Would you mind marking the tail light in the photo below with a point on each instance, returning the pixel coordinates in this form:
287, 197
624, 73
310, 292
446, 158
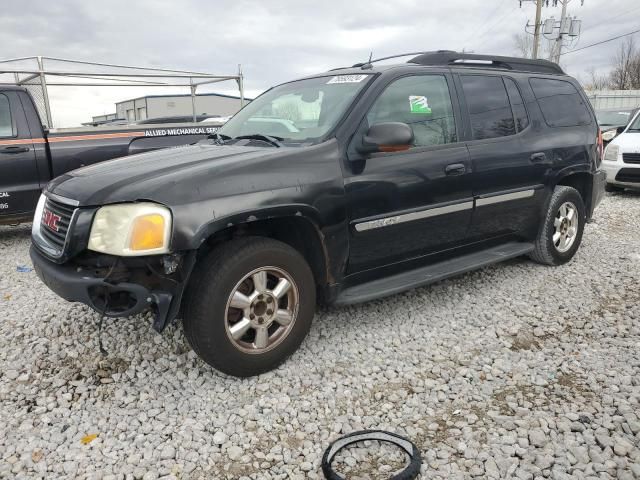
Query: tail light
600, 146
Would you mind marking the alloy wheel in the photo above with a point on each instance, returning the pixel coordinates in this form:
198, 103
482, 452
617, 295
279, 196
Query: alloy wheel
261, 310
565, 227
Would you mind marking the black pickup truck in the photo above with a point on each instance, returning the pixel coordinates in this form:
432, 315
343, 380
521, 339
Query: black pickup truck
341, 187
31, 155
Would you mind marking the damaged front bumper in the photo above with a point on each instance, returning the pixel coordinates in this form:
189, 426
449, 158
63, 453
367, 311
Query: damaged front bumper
118, 287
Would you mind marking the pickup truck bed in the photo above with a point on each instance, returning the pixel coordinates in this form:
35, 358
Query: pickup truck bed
30, 155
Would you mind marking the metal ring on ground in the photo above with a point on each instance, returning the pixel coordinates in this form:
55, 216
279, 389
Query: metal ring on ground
409, 473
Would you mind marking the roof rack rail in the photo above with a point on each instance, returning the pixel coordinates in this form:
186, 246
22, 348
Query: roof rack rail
448, 57
451, 57
365, 65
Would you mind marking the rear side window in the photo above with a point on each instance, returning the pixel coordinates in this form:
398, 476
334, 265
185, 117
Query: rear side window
489, 107
6, 125
519, 111
560, 102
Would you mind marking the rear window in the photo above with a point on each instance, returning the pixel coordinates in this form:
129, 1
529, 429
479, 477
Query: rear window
6, 125
560, 102
489, 108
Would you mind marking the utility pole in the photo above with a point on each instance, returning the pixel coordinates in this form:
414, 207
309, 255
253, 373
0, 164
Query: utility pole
560, 31
563, 16
536, 32
566, 27
537, 26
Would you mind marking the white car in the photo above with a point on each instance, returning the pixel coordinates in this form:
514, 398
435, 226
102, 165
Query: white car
622, 158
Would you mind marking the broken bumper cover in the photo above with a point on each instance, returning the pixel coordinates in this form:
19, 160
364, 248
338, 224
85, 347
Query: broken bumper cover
79, 286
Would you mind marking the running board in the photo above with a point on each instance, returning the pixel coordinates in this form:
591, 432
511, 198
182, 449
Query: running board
431, 273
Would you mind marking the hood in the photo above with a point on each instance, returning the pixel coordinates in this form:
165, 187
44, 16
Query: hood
605, 126
151, 175
629, 142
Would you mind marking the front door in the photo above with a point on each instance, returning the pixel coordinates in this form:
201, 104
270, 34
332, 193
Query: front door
19, 185
410, 203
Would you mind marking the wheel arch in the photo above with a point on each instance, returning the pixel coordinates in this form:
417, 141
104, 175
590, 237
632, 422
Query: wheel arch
298, 226
581, 180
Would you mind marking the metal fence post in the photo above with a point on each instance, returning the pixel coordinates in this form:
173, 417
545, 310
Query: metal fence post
241, 85
193, 99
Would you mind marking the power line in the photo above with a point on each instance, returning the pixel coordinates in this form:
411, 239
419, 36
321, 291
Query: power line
600, 43
487, 30
484, 22
608, 20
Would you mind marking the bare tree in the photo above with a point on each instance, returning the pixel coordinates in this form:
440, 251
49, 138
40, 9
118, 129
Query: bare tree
627, 60
523, 45
597, 80
634, 71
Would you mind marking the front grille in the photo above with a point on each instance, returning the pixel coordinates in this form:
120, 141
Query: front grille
59, 216
631, 157
630, 175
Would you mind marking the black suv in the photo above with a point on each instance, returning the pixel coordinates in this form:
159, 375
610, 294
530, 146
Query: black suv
342, 187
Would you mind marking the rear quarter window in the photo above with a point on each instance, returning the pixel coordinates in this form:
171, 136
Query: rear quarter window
6, 124
560, 102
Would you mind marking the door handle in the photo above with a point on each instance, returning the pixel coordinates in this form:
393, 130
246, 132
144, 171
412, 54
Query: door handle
455, 169
539, 157
14, 149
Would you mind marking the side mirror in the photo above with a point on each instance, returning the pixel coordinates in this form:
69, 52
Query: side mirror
387, 137
619, 130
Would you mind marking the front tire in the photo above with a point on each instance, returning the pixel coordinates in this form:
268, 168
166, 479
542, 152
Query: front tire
249, 305
561, 233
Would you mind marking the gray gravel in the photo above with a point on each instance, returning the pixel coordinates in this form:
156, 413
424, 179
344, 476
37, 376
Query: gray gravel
516, 371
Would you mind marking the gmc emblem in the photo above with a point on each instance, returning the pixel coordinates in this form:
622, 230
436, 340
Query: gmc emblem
50, 219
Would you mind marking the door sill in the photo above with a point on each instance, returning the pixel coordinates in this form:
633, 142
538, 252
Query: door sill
393, 284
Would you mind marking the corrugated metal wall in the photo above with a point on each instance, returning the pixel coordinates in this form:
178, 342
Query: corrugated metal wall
613, 98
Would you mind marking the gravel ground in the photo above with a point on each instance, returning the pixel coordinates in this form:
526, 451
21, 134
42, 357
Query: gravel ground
517, 370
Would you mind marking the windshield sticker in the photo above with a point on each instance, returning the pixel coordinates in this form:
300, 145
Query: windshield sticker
347, 79
419, 104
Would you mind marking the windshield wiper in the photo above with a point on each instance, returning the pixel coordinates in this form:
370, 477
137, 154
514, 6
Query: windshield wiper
219, 138
275, 141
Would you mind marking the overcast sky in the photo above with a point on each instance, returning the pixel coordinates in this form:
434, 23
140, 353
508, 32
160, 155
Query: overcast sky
276, 41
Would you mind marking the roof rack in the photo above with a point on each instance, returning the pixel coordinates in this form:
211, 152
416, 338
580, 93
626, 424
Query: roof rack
447, 57
451, 57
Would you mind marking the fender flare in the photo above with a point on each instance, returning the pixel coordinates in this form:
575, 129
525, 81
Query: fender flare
248, 216
570, 170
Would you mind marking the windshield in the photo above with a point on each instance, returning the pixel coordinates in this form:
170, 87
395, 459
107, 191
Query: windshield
635, 126
297, 112
612, 118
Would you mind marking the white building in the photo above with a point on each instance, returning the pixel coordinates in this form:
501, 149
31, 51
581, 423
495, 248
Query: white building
157, 106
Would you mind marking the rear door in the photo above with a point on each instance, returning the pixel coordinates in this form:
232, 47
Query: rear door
19, 185
508, 155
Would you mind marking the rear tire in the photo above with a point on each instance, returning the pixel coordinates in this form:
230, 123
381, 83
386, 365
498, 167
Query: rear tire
229, 316
561, 233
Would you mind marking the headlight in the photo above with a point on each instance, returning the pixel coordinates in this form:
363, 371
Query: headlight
131, 229
611, 153
609, 135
